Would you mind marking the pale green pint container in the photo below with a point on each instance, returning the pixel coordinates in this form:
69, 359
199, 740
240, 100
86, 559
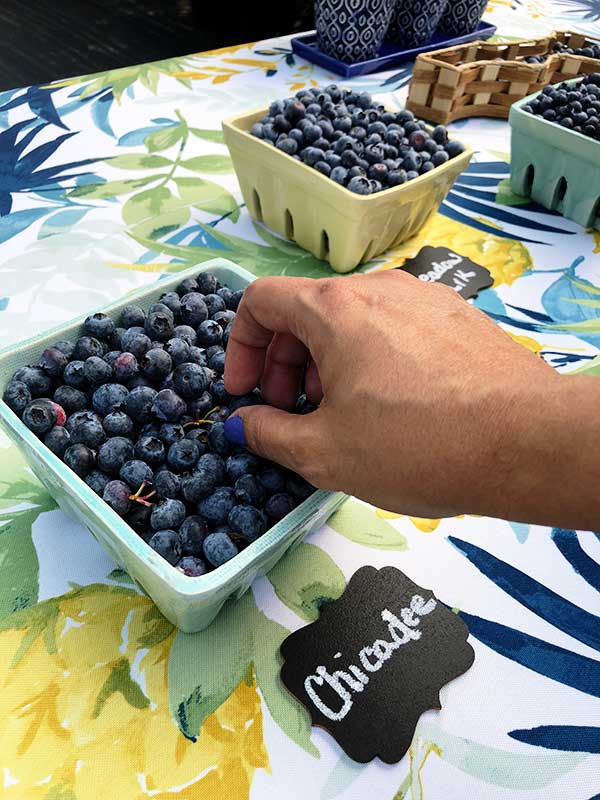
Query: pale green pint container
556, 167
334, 224
190, 603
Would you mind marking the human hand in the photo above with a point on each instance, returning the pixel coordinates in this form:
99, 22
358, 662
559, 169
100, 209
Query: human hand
426, 406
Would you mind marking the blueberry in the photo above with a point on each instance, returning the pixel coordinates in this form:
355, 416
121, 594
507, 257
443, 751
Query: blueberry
359, 185
167, 543
136, 472
167, 484
99, 325
427, 166
89, 432
378, 172
248, 521
53, 361
183, 455
66, 347
87, 346
249, 490
97, 481
159, 324
235, 300
287, 145
279, 505
200, 406
214, 464
218, 549
273, 479
219, 393
185, 332
138, 403
241, 401
299, 488
218, 441
454, 148
411, 174
339, 175
117, 423
209, 333
241, 464
150, 449
364, 100
80, 459
396, 178
110, 397
57, 439
111, 356
74, 375
17, 396
207, 282
439, 158
197, 355
114, 453
96, 370
40, 415
323, 167
36, 379
192, 566
80, 418
168, 405
125, 366
116, 495
191, 380
219, 414
115, 340
171, 301
411, 162
197, 485
167, 514
171, 432
193, 310
356, 172
224, 317
217, 362
137, 381
136, 342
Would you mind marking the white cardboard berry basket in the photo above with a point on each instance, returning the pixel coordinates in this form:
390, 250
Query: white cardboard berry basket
190, 603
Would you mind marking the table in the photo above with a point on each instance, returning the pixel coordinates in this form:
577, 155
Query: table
107, 182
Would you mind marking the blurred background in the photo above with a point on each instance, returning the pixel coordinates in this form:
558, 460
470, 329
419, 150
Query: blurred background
43, 40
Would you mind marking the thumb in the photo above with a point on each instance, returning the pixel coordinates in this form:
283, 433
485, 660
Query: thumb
293, 440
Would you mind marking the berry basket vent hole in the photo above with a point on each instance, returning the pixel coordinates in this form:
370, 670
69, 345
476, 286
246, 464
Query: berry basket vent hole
529, 177
256, 206
289, 225
595, 215
559, 194
324, 248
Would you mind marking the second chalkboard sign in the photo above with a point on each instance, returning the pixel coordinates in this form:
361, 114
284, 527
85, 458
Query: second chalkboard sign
374, 661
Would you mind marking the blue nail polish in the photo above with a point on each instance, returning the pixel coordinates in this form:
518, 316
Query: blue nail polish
234, 430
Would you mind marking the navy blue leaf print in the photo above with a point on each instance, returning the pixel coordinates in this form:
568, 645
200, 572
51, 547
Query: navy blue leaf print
548, 605
451, 213
573, 738
38, 155
496, 167
290, 60
542, 657
100, 110
568, 544
537, 315
503, 215
40, 102
476, 180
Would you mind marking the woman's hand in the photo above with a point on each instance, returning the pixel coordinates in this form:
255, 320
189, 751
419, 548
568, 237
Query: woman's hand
427, 407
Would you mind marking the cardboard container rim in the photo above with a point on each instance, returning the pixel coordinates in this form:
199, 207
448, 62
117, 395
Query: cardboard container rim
232, 124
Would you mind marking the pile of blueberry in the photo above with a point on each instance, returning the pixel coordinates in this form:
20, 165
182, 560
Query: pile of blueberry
137, 411
591, 51
360, 145
576, 107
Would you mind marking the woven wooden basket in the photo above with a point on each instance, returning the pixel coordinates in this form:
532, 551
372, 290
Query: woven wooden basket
481, 79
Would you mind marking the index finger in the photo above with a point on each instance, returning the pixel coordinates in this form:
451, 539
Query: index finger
269, 305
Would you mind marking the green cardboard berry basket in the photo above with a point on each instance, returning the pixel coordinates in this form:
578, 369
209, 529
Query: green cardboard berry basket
334, 224
557, 167
189, 603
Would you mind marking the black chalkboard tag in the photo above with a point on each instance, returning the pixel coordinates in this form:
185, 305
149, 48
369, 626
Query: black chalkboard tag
374, 661
442, 265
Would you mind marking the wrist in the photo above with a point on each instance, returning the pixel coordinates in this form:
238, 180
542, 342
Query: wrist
543, 465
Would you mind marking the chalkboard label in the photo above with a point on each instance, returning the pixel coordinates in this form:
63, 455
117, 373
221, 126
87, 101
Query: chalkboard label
442, 265
374, 661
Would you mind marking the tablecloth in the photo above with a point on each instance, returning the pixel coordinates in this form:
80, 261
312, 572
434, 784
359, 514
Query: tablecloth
108, 181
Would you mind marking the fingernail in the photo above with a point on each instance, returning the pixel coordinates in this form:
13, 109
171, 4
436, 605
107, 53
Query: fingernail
234, 430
